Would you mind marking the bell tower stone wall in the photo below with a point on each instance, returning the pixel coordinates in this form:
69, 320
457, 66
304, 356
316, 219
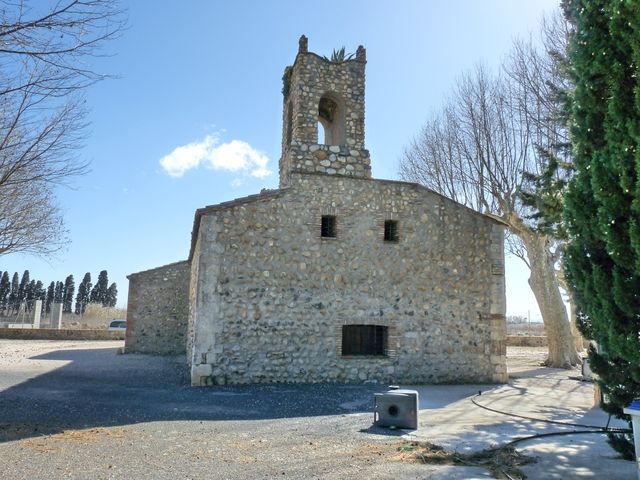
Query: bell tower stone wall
326, 95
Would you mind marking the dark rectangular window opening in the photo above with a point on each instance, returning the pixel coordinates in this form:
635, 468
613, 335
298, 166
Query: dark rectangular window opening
328, 227
365, 340
390, 230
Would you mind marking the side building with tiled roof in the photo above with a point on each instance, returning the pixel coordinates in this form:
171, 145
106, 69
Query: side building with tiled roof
335, 276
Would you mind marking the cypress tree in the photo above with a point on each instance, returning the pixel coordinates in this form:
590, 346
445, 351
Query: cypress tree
39, 292
67, 298
49, 297
29, 295
58, 293
99, 292
13, 293
82, 299
602, 203
22, 289
5, 289
112, 296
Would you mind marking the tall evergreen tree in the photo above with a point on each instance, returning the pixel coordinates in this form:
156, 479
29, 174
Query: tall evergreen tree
22, 289
5, 289
112, 296
49, 297
39, 292
13, 293
58, 294
29, 295
99, 292
84, 289
69, 290
602, 203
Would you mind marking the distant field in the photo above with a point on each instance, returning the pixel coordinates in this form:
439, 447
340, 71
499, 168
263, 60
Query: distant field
529, 329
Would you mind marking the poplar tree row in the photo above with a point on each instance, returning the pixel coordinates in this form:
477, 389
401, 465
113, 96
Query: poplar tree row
23, 292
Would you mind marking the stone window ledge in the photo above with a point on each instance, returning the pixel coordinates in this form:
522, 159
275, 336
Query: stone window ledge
366, 357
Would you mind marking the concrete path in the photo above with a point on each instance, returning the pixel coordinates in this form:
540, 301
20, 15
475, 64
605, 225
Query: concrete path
449, 418
79, 410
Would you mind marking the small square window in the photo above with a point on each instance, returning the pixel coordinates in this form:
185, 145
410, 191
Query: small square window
328, 227
390, 230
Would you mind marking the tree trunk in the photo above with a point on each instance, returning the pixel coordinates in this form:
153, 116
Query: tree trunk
573, 316
573, 311
544, 284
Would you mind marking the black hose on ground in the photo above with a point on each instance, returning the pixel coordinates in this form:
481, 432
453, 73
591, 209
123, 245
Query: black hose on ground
555, 422
550, 434
593, 428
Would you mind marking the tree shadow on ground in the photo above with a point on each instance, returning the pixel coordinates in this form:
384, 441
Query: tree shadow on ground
560, 451
99, 388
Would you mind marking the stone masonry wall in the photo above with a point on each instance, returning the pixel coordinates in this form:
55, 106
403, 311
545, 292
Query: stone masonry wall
329, 159
498, 305
271, 296
157, 310
526, 341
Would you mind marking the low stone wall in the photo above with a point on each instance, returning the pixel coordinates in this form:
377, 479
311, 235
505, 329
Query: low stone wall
157, 310
56, 334
526, 341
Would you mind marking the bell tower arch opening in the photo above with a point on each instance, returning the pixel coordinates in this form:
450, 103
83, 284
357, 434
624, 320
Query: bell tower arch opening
331, 117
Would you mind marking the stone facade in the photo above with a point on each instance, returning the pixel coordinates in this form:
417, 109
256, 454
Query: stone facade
271, 295
157, 310
335, 276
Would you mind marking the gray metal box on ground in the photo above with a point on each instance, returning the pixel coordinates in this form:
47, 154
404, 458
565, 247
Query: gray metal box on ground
396, 408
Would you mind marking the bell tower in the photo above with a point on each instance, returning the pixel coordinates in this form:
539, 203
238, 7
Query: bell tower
323, 116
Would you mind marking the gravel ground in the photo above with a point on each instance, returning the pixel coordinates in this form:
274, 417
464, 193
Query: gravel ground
80, 410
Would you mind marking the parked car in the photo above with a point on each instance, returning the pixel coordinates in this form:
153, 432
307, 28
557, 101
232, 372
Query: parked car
118, 325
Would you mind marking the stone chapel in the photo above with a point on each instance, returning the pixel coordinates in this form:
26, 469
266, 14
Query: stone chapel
335, 276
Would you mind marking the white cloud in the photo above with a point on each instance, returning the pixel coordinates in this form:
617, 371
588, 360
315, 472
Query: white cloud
234, 156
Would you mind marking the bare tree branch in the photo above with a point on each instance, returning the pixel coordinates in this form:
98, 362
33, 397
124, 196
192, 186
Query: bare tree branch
516, 247
477, 148
44, 48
